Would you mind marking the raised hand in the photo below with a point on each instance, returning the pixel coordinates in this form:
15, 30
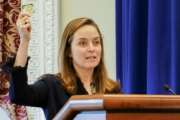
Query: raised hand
24, 29
24, 26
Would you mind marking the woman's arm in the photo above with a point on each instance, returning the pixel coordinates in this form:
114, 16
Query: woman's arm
20, 91
31, 95
24, 29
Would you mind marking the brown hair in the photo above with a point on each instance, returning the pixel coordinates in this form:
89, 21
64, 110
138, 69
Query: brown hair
68, 74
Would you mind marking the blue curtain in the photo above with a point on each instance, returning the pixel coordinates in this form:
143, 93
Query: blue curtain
148, 45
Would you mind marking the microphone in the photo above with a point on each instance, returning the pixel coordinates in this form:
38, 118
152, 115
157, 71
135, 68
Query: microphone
167, 88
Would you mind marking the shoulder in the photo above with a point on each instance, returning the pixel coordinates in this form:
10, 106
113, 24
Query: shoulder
50, 79
54, 84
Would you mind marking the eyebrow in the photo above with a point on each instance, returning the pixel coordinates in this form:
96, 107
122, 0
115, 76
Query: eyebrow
82, 38
86, 38
98, 37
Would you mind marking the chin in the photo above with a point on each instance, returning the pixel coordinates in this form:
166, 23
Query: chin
91, 66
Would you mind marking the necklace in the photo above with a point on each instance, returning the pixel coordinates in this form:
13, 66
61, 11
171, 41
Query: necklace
93, 88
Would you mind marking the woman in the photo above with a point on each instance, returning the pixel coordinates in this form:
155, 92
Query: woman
81, 63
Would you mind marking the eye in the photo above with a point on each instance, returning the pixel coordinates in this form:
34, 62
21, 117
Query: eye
82, 43
96, 42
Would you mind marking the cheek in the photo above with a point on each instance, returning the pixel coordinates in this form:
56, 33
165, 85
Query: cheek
99, 51
76, 53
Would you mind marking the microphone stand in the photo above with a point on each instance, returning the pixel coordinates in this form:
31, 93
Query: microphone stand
167, 88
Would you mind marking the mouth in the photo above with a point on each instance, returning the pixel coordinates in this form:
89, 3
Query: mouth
91, 58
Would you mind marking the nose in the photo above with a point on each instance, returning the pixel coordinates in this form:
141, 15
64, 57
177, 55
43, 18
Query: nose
91, 47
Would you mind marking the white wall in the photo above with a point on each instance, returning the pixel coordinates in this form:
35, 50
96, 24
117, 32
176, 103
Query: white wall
103, 13
4, 114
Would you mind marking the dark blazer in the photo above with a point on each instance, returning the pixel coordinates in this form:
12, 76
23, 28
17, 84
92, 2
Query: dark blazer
47, 92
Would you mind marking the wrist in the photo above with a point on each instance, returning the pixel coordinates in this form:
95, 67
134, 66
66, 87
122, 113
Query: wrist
24, 44
24, 41
25, 38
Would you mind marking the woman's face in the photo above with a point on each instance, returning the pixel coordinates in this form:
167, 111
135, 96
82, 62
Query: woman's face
86, 47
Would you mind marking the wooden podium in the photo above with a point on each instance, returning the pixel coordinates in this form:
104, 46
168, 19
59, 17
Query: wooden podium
122, 107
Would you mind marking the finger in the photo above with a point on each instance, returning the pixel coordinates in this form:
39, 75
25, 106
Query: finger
23, 21
27, 27
22, 18
18, 23
25, 13
21, 15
